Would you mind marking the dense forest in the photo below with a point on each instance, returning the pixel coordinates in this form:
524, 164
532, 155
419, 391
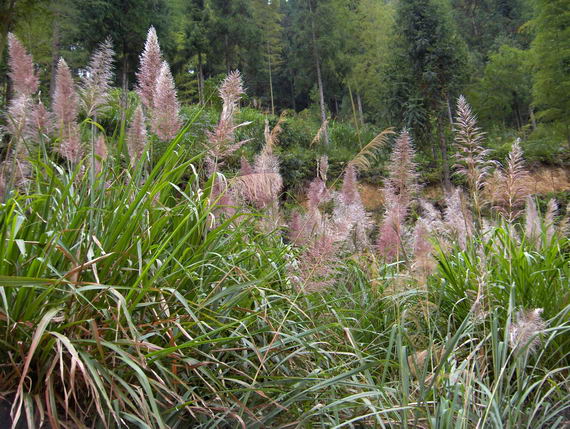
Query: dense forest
285, 214
390, 63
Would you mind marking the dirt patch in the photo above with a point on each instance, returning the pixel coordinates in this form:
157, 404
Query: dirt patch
372, 196
543, 180
549, 179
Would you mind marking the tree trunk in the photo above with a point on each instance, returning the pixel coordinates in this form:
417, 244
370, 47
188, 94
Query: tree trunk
292, 83
270, 80
55, 50
360, 112
6, 22
226, 53
201, 96
319, 78
532, 117
444, 156
449, 112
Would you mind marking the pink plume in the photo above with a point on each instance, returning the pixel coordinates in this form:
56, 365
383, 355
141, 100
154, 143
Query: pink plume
245, 167
150, 68
165, 113
402, 179
457, 222
24, 78
70, 147
390, 237
349, 192
100, 153
221, 140
231, 91
65, 106
65, 99
18, 115
41, 121
97, 80
137, 136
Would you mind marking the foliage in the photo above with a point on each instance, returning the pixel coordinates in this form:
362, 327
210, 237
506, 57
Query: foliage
503, 92
222, 276
551, 52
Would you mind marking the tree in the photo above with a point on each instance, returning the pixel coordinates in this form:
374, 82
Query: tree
318, 34
429, 69
551, 51
126, 22
488, 24
269, 19
374, 42
503, 93
234, 37
193, 20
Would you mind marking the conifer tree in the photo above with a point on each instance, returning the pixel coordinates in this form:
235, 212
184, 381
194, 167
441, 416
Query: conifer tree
432, 61
551, 48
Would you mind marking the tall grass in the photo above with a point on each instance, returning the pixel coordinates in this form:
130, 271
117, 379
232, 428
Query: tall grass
129, 299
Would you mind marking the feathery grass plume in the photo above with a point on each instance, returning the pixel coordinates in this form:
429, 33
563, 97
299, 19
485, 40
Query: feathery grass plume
399, 189
166, 120
17, 118
471, 155
457, 221
363, 160
231, 91
390, 241
423, 263
137, 136
100, 153
349, 218
511, 190
278, 128
533, 224
149, 69
402, 183
221, 141
297, 234
24, 78
316, 267
525, 331
304, 229
323, 167
431, 216
317, 193
549, 218
40, 123
223, 196
70, 147
96, 82
264, 183
65, 99
320, 133
349, 192
245, 167
65, 107
263, 186
25, 83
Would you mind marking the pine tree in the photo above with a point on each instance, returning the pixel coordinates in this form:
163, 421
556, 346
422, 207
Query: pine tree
551, 49
269, 18
429, 69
